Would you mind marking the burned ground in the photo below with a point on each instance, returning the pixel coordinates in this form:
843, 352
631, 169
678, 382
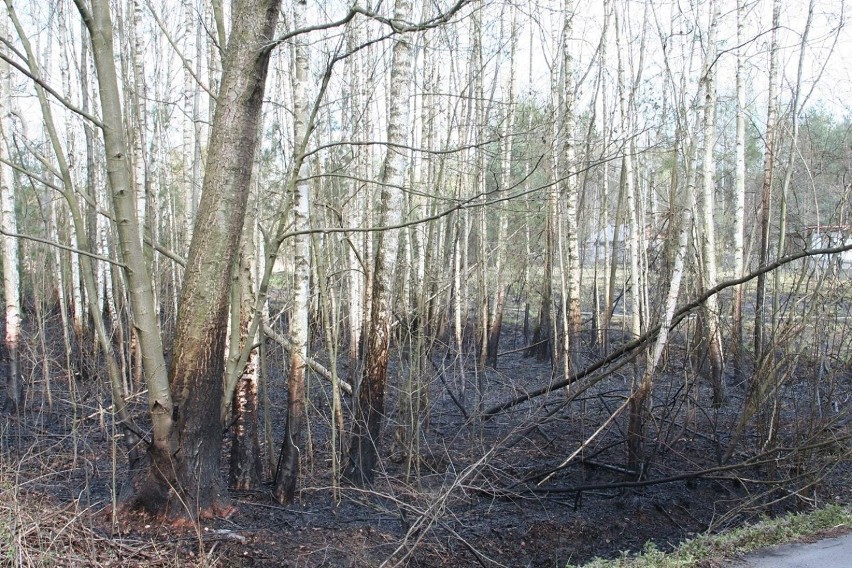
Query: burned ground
457, 490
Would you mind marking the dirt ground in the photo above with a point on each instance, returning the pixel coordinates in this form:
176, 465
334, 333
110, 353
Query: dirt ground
474, 494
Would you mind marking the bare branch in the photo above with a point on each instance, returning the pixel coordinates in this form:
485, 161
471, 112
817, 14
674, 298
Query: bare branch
396, 26
41, 83
63, 247
649, 335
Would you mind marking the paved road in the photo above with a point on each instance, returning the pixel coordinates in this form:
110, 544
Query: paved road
829, 553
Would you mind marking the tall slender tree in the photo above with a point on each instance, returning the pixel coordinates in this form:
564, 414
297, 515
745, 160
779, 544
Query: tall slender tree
708, 201
370, 403
288, 468
9, 225
739, 197
766, 188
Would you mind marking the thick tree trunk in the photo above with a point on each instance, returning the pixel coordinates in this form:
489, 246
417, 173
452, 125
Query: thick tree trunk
246, 466
182, 478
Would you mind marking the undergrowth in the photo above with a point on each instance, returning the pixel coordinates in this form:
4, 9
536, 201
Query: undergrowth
35, 531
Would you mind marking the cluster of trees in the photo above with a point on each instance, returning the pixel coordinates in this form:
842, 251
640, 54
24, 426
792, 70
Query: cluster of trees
397, 174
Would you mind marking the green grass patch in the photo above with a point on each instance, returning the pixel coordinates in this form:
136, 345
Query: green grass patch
704, 550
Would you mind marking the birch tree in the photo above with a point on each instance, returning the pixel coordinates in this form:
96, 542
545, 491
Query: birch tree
739, 196
288, 469
245, 465
69, 192
766, 188
708, 234
9, 227
570, 192
505, 182
370, 402
628, 186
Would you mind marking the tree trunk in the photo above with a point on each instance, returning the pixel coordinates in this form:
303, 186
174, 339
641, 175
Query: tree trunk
766, 190
246, 467
739, 207
181, 478
503, 218
87, 270
288, 468
540, 347
370, 402
795, 110
629, 189
570, 193
8, 221
708, 241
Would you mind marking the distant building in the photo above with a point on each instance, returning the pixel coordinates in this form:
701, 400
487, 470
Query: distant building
605, 237
620, 235
822, 236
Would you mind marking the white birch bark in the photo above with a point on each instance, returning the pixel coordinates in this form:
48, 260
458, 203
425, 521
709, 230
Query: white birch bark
369, 409
285, 484
70, 195
189, 103
739, 193
708, 240
766, 190
354, 215
636, 428
795, 110
8, 221
627, 181
139, 114
570, 192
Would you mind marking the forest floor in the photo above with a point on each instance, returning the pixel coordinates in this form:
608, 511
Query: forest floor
474, 492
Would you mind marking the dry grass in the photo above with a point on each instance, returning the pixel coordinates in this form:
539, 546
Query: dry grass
37, 532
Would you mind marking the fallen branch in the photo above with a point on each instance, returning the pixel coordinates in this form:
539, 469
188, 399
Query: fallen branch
773, 455
314, 365
651, 334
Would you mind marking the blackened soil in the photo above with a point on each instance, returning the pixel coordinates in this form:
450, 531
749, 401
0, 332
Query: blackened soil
458, 490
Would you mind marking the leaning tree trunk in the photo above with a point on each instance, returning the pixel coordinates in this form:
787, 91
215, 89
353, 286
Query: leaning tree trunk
87, 270
370, 402
636, 429
181, 477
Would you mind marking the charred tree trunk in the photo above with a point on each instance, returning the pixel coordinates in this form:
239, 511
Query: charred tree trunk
288, 465
370, 403
180, 477
246, 467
